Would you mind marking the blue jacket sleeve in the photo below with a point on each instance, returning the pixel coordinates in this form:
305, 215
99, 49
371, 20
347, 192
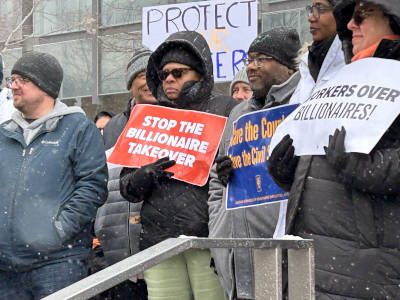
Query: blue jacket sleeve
90, 176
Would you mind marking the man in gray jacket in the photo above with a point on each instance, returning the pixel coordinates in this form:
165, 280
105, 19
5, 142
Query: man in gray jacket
271, 70
54, 177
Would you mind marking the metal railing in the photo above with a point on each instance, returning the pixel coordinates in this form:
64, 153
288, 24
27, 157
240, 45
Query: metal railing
267, 266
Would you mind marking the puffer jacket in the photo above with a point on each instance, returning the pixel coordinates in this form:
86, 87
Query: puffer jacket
174, 207
352, 216
333, 62
54, 177
252, 222
117, 223
115, 126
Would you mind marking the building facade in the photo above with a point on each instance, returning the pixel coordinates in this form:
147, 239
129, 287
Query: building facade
94, 39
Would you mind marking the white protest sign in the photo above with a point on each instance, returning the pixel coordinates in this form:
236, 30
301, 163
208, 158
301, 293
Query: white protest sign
228, 26
364, 98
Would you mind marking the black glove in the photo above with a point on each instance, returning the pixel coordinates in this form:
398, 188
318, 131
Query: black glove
343, 13
224, 169
335, 152
282, 162
137, 184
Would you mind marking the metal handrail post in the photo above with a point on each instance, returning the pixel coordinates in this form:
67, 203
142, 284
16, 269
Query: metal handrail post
127, 268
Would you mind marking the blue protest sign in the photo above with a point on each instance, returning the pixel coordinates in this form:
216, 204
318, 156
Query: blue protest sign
250, 183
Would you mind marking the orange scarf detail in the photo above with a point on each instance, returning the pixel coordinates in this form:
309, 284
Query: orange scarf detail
369, 52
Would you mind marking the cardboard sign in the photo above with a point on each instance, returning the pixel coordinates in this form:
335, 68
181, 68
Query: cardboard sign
191, 138
228, 26
363, 97
251, 184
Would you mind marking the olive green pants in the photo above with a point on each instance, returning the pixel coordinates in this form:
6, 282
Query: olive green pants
184, 277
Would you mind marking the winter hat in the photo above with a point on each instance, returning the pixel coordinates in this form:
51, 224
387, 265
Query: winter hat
332, 2
240, 76
42, 69
182, 56
137, 64
281, 43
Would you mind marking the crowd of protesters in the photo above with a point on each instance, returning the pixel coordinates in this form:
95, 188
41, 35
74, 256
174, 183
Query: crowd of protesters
66, 213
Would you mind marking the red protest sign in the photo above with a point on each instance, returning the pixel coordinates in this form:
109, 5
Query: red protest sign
191, 138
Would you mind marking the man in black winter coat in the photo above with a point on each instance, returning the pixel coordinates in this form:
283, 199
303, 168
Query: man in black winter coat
180, 75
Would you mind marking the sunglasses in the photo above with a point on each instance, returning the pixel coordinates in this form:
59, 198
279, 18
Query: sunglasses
361, 14
176, 73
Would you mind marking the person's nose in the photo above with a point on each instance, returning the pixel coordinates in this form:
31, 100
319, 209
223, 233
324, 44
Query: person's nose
251, 66
240, 95
170, 78
352, 25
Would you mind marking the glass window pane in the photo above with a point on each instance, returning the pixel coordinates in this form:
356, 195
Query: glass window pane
118, 12
294, 18
58, 16
10, 17
75, 58
115, 53
10, 56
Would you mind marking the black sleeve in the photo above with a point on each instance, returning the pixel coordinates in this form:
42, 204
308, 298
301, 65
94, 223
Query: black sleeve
377, 172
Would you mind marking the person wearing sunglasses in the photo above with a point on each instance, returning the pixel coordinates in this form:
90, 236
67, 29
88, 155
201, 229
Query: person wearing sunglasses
180, 75
347, 202
324, 57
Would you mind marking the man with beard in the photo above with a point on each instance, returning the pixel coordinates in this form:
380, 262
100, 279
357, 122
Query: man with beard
271, 70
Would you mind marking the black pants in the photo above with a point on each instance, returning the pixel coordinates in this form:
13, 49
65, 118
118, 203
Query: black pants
125, 290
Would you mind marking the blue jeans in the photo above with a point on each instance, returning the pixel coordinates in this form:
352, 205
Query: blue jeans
42, 281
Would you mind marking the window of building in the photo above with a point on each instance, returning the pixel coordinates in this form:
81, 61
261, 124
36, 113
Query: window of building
294, 18
75, 58
60, 16
115, 53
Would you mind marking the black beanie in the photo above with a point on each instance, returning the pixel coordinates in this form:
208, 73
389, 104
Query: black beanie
182, 56
42, 69
281, 43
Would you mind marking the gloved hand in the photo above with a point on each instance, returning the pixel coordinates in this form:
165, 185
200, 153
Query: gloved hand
282, 162
343, 12
138, 184
335, 152
224, 169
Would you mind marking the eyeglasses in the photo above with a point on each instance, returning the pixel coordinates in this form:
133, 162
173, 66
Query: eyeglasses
362, 13
317, 9
258, 61
19, 81
176, 73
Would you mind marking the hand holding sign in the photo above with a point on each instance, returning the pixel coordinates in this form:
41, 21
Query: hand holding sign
224, 168
140, 182
335, 152
282, 162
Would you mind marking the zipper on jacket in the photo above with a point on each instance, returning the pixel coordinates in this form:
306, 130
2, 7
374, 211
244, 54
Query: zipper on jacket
12, 202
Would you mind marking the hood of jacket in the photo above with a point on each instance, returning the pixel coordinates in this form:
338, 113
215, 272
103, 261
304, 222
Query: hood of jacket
343, 11
47, 122
191, 91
